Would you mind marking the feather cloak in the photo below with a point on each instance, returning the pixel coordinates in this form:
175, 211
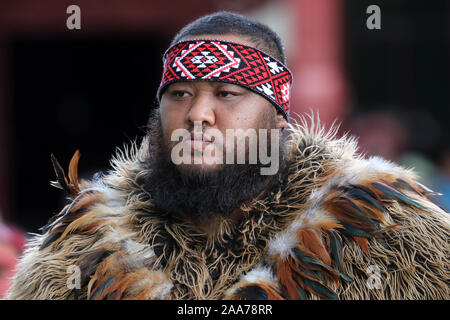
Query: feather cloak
335, 226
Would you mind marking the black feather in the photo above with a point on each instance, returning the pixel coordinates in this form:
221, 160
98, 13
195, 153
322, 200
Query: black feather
60, 176
253, 292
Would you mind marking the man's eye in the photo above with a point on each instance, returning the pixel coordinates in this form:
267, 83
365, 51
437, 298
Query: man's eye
179, 94
226, 94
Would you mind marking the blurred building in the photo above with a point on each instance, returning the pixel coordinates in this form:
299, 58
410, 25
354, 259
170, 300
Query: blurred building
92, 89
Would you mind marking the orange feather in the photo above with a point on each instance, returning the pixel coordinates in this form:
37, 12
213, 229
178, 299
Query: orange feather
73, 171
363, 243
312, 241
287, 282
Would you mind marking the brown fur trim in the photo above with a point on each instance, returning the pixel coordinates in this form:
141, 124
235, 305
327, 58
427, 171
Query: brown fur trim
299, 241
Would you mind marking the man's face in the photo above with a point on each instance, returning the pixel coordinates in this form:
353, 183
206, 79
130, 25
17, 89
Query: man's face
198, 106
205, 188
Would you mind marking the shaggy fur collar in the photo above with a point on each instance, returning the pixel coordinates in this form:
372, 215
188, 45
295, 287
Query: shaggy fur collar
204, 267
329, 211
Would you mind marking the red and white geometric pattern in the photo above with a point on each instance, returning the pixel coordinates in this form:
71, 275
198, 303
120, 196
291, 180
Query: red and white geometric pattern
235, 63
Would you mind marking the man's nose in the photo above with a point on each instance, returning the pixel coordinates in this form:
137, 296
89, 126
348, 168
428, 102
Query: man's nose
202, 109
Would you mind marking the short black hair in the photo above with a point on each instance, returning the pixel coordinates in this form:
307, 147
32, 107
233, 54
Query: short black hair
224, 22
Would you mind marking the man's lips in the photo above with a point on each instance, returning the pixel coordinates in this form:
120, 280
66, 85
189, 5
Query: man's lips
199, 144
199, 140
200, 136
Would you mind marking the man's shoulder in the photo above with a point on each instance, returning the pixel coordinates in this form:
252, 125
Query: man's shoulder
93, 205
90, 210
358, 208
326, 167
364, 195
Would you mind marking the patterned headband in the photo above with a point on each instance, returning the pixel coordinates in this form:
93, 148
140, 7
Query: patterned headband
214, 60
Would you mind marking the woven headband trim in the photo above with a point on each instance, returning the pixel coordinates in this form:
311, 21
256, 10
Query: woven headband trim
224, 61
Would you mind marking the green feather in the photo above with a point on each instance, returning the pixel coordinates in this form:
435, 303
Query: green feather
402, 184
352, 230
320, 276
361, 193
384, 244
301, 292
103, 287
335, 248
305, 258
357, 213
396, 195
320, 289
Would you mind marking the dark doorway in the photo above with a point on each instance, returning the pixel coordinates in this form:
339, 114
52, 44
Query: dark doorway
92, 94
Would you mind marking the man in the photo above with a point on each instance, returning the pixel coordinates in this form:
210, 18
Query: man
181, 217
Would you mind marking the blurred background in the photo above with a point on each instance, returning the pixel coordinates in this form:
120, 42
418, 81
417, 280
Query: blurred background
92, 89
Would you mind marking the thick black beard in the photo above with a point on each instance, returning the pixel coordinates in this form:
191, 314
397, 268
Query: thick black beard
200, 194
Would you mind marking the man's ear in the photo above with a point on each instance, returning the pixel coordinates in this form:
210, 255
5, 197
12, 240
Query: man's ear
281, 121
